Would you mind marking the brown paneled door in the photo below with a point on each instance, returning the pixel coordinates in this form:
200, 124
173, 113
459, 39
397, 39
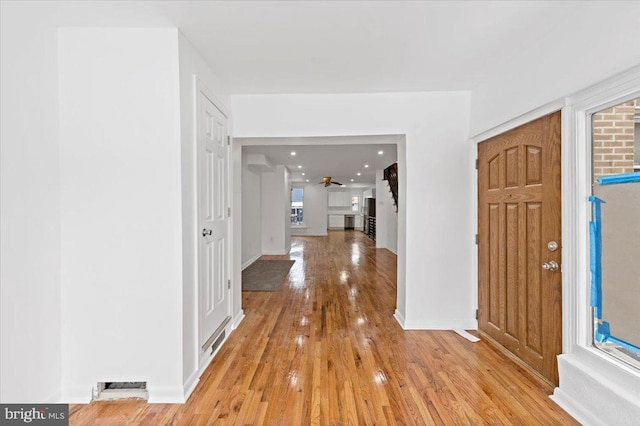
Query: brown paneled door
519, 247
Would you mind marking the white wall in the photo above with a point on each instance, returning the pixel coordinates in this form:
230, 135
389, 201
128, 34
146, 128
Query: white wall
315, 210
251, 215
30, 347
192, 67
276, 211
386, 216
31, 299
370, 193
381, 211
600, 39
435, 284
121, 221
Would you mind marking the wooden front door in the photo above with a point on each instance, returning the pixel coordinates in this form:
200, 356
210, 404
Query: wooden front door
519, 297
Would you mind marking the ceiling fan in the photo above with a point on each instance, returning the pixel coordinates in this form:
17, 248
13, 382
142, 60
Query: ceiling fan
327, 181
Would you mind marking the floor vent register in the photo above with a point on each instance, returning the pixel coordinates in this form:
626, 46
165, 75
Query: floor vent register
106, 391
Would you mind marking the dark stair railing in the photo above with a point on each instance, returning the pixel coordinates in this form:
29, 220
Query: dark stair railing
391, 176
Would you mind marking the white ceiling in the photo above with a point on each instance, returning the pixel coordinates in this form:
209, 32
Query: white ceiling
342, 158
362, 46
337, 46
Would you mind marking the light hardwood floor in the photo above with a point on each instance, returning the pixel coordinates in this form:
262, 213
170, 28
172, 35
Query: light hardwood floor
325, 349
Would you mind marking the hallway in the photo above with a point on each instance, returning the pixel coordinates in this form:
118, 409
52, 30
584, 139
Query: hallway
325, 349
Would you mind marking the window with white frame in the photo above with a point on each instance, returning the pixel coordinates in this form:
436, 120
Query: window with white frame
297, 206
636, 135
615, 231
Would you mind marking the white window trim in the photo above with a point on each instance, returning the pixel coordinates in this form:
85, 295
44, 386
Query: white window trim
617, 391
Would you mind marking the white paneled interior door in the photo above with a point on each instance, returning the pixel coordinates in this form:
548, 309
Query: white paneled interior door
213, 230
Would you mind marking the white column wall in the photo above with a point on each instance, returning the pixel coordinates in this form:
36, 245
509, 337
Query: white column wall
386, 216
121, 221
251, 216
381, 211
275, 208
286, 206
30, 314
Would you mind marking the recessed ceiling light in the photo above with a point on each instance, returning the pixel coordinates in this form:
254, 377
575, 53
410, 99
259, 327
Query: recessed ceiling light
299, 167
343, 185
293, 153
358, 173
366, 165
351, 180
380, 152
302, 173
307, 180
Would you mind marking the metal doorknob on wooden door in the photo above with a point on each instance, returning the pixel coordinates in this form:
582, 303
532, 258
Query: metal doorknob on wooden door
551, 266
206, 232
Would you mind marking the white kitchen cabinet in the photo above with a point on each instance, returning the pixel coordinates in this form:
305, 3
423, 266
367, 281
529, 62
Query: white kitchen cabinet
359, 222
334, 199
336, 221
339, 199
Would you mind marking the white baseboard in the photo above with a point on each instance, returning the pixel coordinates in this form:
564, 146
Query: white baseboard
276, 253
54, 398
166, 394
248, 263
597, 391
160, 394
191, 384
76, 395
207, 358
238, 319
193, 380
399, 317
574, 408
394, 251
440, 324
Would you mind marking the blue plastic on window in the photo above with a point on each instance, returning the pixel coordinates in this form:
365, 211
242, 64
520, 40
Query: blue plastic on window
622, 178
603, 330
596, 257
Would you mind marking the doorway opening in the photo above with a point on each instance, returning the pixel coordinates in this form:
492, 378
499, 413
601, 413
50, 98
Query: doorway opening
277, 172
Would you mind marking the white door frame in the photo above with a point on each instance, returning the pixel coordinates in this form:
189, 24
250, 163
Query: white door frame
204, 357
